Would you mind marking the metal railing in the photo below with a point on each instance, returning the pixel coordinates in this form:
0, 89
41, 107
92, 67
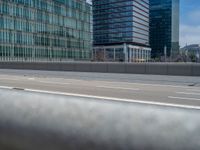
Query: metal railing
33, 121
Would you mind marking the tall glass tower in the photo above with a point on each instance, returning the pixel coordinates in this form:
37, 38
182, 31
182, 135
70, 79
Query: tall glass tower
164, 27
121, 29
37, 30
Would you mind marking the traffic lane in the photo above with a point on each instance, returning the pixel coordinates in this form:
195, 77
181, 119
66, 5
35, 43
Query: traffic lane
159, 79
100, 84
145, 93
94, 82
170, 103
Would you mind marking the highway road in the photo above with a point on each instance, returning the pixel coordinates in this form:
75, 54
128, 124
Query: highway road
170, 91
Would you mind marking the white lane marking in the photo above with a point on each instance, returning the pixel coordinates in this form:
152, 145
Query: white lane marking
120, 88
31, 78
5, 87
54, 82
186, 93
10, 79
193, 90
146, 84
184, 98
117, 99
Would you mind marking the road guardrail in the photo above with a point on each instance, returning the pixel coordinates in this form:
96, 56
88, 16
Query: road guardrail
36, 121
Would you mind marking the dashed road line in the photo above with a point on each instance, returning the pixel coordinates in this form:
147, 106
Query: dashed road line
193, 90
187, 93
184, 98
120, 88
47, 82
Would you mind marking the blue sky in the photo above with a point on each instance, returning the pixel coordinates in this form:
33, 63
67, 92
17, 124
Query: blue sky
189, 22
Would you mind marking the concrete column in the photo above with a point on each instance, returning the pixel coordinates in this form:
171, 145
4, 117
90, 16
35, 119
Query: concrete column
146, 55
94, 54
137, 55
131, 55
33, 54
12, 52
104, 53
129, 52
141, 54
51, 54
125, 52
25, 53
114, 54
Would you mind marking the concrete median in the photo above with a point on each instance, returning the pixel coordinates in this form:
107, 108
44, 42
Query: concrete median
134, 68
159, 69
180, 69
99, 67
82, 67
196, 69
177, 69
116, 68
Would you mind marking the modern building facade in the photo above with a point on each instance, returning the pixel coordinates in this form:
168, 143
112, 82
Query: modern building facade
35, 30
164, 27
121, 30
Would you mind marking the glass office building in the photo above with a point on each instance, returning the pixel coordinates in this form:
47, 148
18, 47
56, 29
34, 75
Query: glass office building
50, 30
164, 27
121, 30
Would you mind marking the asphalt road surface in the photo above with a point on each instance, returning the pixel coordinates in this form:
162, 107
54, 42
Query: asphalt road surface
173, 91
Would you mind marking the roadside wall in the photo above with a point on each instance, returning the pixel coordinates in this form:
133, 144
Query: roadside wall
178, 69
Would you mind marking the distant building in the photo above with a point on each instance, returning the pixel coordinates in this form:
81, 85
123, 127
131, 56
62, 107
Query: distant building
190, 50
164, 27
50, 30
121, 30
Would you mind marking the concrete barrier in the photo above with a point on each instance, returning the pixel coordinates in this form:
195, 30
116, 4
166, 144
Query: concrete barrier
158, 69
38, 66
178, 69
8, 65
99, 67
82, 67
196, 69
134, 68
67, 66
116, 68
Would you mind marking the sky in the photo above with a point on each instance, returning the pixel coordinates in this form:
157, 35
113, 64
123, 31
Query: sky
189, 22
